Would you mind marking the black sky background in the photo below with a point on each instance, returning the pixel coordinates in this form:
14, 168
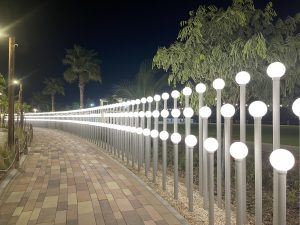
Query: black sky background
124, 33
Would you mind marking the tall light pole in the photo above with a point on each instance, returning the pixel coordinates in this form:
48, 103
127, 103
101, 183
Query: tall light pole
219, 84
227, 112
282, 160
243, 78
11, 71
200, 89
276, 70
258, 109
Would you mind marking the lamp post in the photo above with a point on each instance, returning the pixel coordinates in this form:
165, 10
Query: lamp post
155, 115
190, 142
200, 89
282, 160
296, 111
143, 101
275, 71
227, 112
148, 138
242, 78
239, 151
11, 71
187, 91
211, 145
164, 135
188, 112
218, 85
257, 110
175, 138
154, 134
205, 113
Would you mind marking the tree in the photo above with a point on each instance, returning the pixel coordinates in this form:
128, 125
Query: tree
53, 86
216, 42
147, 82
83, 65
40, 101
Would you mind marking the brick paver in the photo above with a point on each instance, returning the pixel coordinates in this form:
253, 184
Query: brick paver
66, 180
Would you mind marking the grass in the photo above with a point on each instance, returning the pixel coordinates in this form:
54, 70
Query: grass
289, 133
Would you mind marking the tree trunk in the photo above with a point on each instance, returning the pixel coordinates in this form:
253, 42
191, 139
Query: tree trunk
81, 92
53, 102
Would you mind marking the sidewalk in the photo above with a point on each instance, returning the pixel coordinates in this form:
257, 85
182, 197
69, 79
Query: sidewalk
66, 180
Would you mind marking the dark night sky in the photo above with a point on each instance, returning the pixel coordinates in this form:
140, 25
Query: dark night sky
124, 33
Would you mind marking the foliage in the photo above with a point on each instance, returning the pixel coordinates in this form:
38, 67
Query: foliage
3, 96
216, 42
147, 82
83, 66
40, 101
53, 86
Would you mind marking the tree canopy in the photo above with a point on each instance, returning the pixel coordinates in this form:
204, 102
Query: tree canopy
83, 66
147, 82
53, 86
216, 42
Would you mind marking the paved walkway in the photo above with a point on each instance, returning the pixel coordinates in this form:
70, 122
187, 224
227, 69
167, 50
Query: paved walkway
66, 180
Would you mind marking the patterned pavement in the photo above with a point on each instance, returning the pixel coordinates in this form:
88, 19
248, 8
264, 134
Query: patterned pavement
66, 180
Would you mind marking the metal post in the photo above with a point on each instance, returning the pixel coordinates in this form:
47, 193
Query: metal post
276, 143
258, 171
148, 142
186, 148
200, 146
164, 152
227, 172
243, 139
21, 105
155, 145
11, 62
204, 170
219, 151
211, 187
239, 195
282, 198
190, 192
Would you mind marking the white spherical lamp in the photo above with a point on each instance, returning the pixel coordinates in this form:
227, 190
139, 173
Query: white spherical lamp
218, 84
276, 70
258, 109
238, 150
148, 114
200, 88
175, 138
154, 133
242, 78
157, 98
137, 101
205, 112
139, 130
146, 132
141, 114
211, 145
188, 112
175, 94
155, 113
227, 110
282, 160
149, 99
187, 91
165, 96
190, 141
143, 100
296, 107
175, 113
164, 135
164, 113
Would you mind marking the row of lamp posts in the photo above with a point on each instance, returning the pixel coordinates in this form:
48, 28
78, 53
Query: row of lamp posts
133, 137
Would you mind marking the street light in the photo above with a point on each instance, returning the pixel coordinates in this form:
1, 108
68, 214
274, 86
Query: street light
275, 71
242, 79
205, 113
227, 112
175, 138
239, 151
282, 160
257, 110
164, 135
200, 89
190, 141
211, 145
218, 85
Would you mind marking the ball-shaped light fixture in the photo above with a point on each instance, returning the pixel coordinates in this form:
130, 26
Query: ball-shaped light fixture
190, 141
175, 138
258, 109
238, 150
276, 70
227, 110
205, 112
242, 78
200, 88
282, 160
218, 84
211, 145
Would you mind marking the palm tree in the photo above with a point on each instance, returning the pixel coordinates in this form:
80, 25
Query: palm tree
53, 86
83, 66
147, 82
